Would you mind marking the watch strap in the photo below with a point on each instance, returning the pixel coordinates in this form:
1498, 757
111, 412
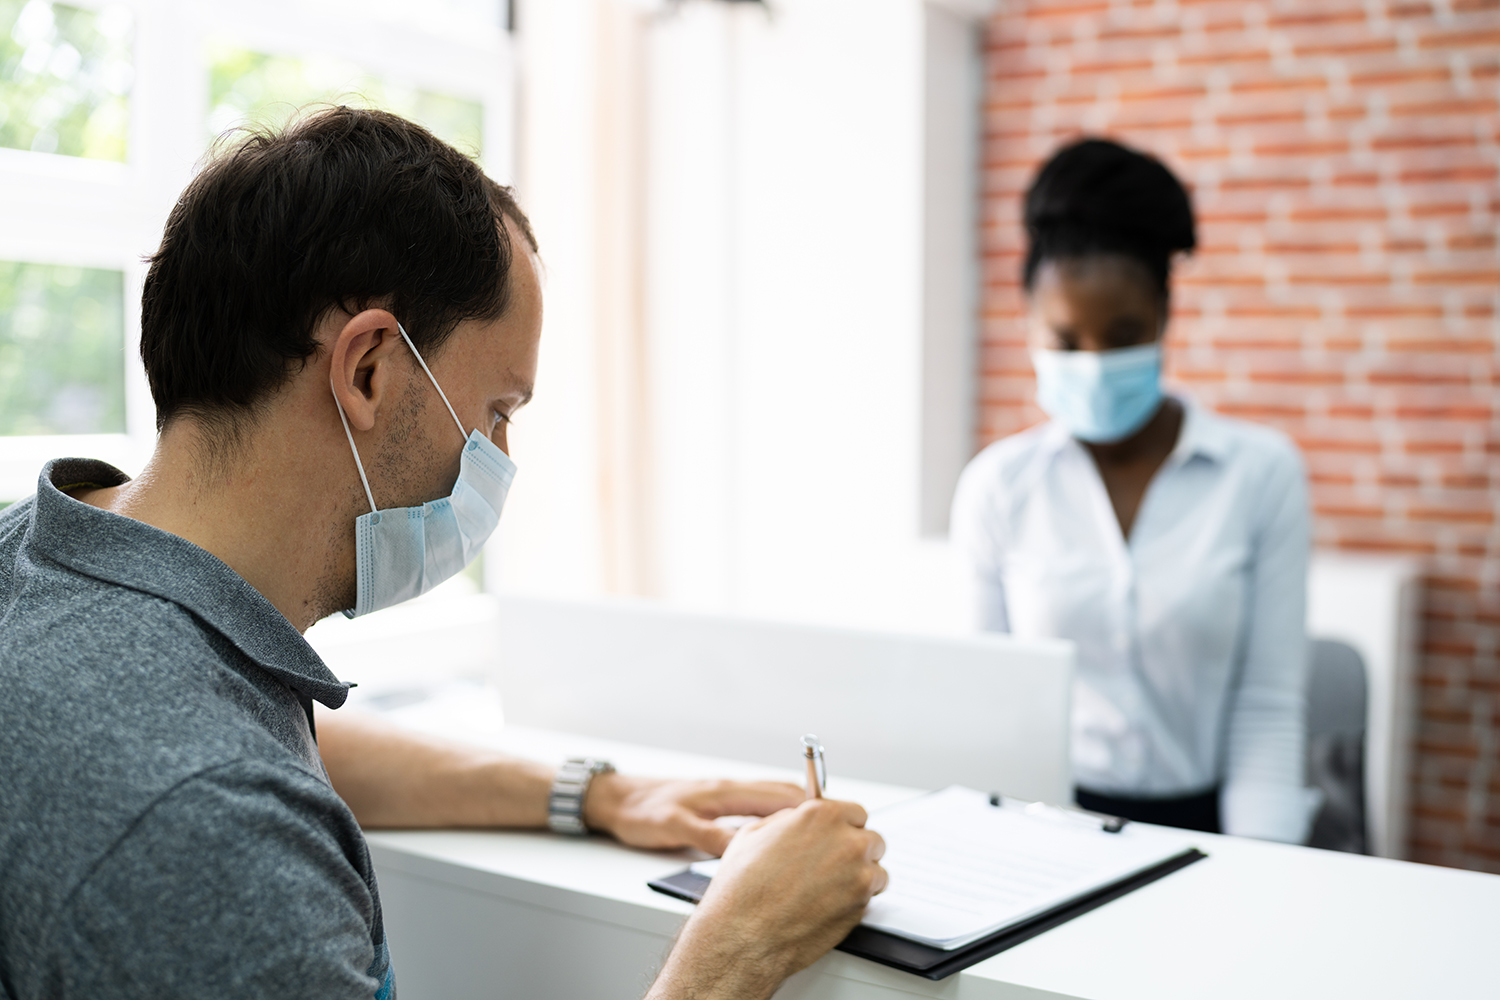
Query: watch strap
569, 788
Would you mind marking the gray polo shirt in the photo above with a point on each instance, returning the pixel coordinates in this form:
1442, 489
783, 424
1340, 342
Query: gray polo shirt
166, 825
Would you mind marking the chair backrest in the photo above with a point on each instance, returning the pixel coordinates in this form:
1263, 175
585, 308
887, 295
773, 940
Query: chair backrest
1337, 688
1337, 698
990, 712
1373, 604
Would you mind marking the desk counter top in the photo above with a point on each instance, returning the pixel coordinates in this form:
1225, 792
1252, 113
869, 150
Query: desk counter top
534, 915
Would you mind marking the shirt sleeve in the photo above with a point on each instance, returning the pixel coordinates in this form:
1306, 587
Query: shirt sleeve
1263, 794
243, 881
976, 538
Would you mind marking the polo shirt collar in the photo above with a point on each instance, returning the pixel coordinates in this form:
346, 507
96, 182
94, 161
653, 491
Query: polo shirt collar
133, 554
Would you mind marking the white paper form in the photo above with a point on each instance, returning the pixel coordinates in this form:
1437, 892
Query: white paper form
962, 869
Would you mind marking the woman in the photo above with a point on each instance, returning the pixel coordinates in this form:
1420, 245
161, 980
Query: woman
1168, 543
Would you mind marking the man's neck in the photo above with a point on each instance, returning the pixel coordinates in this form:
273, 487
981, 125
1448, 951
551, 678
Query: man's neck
253, 510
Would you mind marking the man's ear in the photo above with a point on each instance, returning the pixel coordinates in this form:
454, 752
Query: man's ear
362, 365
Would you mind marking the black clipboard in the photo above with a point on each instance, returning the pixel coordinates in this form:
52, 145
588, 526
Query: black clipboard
935, 963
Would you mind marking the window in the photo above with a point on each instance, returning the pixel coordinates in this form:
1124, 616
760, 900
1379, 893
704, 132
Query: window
255, 86
62, 350
67, 77
105, 107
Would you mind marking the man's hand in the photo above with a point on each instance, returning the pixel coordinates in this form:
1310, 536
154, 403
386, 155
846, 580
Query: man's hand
649, 812
790, 888
391, 777
791, 885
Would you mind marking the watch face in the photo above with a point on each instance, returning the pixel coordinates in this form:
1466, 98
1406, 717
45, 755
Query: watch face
592, 765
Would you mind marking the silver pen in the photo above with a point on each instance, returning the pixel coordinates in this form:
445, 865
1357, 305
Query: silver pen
817, 772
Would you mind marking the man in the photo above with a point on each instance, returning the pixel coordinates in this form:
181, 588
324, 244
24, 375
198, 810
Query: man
338, 326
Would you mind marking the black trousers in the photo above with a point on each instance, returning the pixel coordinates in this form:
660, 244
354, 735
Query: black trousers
1195, 812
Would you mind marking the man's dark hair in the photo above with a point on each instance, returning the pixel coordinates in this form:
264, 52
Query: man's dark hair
347, 208
1098, 197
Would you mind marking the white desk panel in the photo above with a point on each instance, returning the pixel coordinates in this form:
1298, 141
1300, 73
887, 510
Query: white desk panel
989, 711
534, 917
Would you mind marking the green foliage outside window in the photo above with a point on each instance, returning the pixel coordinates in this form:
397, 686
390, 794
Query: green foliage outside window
265, 89
65, 76
62, 350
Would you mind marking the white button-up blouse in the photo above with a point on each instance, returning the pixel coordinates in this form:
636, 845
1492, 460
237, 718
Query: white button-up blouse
1190, 635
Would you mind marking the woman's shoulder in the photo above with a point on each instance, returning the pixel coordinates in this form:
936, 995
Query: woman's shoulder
1016, 451
1001, 472
1256, 447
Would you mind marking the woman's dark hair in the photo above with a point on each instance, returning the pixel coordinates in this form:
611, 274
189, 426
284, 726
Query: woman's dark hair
1098, 197
346, 208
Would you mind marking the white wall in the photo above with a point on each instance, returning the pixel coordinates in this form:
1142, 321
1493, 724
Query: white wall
783, 312
548, 541
953, 95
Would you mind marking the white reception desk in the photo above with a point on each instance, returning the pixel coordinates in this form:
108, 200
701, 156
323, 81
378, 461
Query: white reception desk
531, 916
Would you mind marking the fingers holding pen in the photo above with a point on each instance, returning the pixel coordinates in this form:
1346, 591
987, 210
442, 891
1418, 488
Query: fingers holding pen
836, 811
793, 883
874, 850
873, 854
839, 827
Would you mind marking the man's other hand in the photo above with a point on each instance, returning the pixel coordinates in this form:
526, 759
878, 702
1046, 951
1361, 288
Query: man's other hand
791, 887
650, 812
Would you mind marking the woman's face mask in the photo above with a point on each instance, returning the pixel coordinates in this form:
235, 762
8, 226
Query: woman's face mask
1099, 396
1097, 321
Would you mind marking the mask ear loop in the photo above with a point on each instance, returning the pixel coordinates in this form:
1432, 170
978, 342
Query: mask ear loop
441, 394
357, 463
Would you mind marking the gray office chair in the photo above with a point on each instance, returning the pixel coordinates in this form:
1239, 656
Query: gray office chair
1336, 699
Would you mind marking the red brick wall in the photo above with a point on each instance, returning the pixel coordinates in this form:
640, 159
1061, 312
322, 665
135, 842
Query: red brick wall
1343, 158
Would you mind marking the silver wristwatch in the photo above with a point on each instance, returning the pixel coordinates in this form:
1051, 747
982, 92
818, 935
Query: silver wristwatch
565, 804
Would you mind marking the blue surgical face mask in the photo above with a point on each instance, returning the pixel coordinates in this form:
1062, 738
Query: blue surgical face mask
1100, 396
402, 552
